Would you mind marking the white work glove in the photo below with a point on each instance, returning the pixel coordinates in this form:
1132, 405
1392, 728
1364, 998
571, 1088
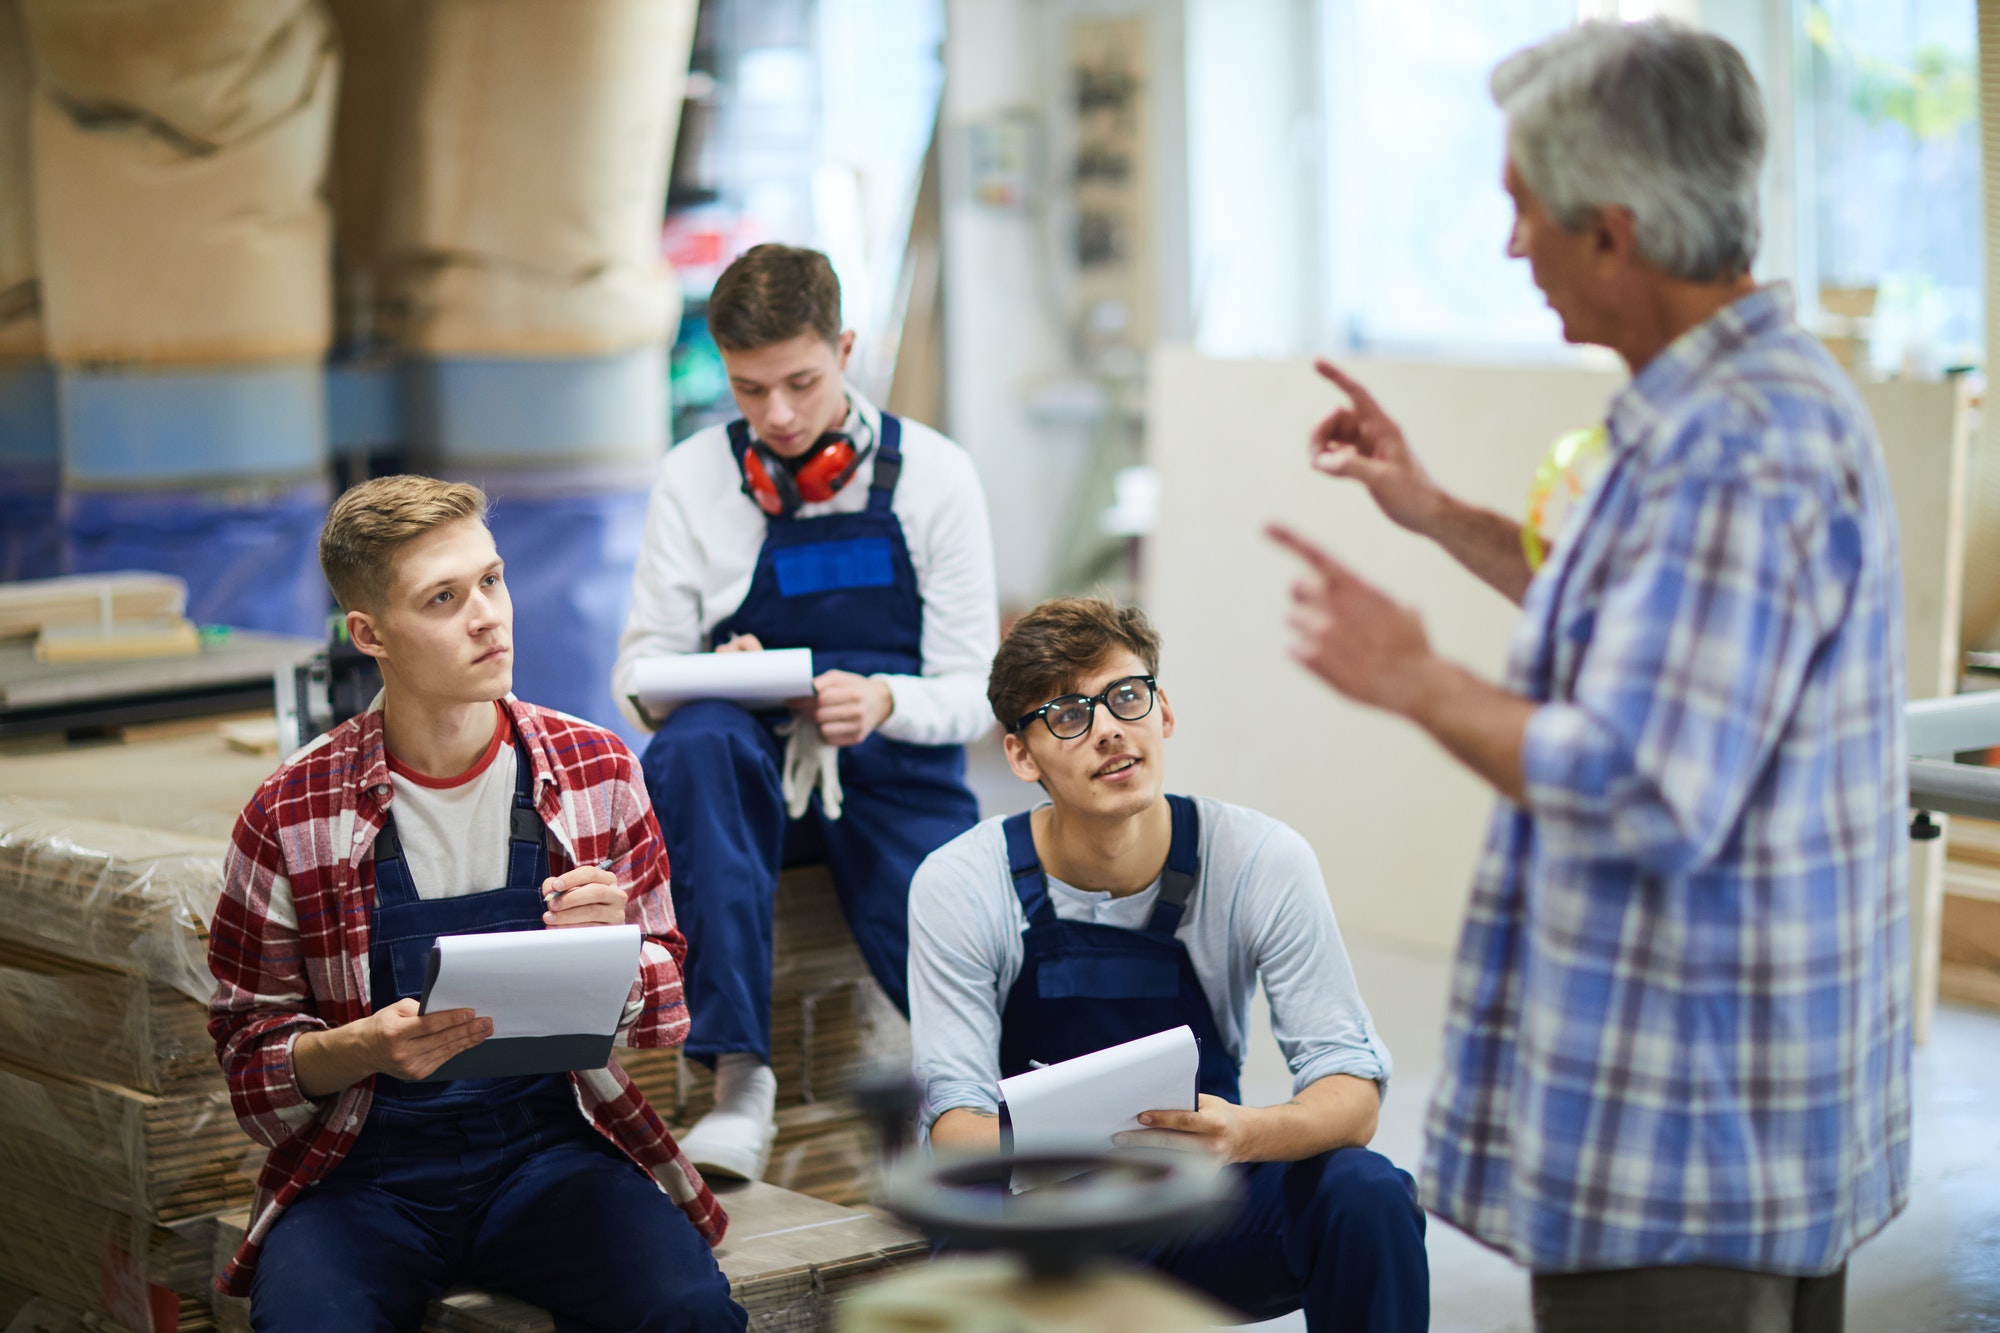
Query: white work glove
810, 762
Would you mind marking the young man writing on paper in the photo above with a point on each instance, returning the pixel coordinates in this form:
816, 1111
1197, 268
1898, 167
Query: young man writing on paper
816, 521
448, 807
1114, 912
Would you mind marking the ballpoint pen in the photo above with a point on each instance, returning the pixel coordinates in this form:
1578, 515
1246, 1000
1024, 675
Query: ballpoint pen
605, 864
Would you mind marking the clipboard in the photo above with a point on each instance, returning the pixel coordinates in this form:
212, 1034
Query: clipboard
555, 997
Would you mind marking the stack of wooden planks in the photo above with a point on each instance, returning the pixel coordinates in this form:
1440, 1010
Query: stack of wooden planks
100, 617
1969, 948
117, 1141
829, 1023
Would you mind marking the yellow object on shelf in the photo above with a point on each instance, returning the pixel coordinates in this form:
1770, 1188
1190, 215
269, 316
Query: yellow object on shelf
1566, 474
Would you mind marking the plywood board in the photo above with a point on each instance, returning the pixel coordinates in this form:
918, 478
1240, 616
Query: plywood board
1395, 822
33, 605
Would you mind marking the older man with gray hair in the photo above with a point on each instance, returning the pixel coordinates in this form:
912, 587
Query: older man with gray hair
1676, 1063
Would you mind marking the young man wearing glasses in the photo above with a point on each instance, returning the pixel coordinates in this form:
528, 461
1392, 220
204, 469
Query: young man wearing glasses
1178, 906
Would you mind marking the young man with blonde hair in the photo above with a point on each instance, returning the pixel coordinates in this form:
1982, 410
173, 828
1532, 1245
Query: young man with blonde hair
815, 521
1114, 911
447, 807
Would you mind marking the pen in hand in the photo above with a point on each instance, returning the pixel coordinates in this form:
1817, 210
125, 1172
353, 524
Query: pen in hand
549, 897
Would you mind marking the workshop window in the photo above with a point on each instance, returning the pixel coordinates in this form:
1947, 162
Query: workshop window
1892, 97
1414, 204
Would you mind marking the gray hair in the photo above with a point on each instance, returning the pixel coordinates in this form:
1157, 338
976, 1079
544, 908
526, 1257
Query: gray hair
1654, 116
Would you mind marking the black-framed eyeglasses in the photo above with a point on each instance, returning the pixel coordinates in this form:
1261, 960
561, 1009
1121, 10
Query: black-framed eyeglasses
1070, 716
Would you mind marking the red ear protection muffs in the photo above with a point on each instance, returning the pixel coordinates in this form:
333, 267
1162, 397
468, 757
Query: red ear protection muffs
780, 485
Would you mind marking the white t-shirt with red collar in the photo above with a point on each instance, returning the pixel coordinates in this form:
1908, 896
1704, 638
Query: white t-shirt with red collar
454, 830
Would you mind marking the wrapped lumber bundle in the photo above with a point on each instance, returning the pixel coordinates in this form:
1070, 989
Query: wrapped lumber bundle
161, 1159
146, 1278
98, 1023
829, 1023
134, 899
117, 1143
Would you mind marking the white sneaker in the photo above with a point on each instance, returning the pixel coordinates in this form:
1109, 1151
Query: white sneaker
731, 1145
734, 1140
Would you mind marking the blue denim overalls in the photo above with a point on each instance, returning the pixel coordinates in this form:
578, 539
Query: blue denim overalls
501, 1182
842, 585
1338, 1234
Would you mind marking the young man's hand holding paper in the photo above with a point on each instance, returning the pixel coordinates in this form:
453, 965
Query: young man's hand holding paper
1090, 1101
770, 678
553, 998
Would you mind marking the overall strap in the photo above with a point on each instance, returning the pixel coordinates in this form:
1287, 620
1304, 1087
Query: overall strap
739, 440
527, 845
888, 465
393, 885
1030, 884
1183, 872
527, 838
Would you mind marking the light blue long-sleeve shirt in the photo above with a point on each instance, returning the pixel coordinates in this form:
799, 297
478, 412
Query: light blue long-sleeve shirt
1259, 912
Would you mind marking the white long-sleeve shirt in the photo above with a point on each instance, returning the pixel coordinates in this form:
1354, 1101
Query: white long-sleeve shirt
700, 550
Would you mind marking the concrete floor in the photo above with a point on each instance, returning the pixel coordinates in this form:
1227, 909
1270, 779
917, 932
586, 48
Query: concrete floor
1935, 1269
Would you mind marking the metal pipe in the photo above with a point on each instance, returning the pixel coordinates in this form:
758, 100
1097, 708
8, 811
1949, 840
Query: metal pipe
1957, 722
1955, 789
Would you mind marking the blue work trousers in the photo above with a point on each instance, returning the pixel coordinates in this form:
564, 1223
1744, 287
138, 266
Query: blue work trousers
523, 1197
713, 772
1338, 1235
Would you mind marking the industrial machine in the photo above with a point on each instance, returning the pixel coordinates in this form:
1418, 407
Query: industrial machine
1043, 1260
1940, 729
317, 695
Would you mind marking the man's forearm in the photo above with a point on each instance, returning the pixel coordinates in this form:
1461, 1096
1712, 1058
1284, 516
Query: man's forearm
1486, 543
325, 1060
1337, 1111
962, 1129
1483, 726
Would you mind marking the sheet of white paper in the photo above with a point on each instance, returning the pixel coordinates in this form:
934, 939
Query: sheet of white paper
1083, 1102
539, 983
755, 680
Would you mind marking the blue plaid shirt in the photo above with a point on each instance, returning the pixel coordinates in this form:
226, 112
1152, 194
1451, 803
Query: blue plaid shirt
1679, 1022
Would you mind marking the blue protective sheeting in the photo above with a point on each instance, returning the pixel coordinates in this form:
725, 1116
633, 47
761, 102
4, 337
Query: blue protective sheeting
30, 529
364, 405
569, 569
30, 533
141, 427
251, 563
537, 411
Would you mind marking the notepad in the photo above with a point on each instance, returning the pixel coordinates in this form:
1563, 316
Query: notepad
1081, 1103
555, 996
755, 680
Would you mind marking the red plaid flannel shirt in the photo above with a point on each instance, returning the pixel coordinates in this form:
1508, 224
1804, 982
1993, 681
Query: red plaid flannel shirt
289, 947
